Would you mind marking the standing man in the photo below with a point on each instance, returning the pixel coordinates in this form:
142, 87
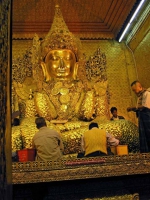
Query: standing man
47, 142
143, 113
115, 115
94, 142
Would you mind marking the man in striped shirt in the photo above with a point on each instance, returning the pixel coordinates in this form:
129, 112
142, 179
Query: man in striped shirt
142, 110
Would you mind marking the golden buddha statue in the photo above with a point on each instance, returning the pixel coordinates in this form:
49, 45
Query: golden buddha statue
61, 86
65, 93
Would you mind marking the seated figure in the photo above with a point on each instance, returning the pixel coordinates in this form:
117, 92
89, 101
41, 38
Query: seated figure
47, 142
97, 142
64, 87
55, 82
62, 95
115, 115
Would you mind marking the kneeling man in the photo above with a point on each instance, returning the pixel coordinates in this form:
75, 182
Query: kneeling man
94, 142
47, 142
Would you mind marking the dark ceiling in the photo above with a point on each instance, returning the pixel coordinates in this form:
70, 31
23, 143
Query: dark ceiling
86, 18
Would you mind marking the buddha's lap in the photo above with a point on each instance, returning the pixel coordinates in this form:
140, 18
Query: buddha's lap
71, 133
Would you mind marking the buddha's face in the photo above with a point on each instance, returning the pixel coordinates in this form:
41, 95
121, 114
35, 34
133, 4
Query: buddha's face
60, 64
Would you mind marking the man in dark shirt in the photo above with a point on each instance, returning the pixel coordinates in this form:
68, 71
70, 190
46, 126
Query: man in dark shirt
114, 113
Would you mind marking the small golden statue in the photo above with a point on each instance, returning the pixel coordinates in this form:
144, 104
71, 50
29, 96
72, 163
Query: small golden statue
61, 86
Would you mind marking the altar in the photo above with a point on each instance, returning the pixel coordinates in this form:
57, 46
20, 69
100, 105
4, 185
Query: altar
54, 80
74, 169
122, 174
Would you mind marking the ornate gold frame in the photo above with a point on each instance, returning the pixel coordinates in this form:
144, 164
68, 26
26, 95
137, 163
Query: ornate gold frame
73, 169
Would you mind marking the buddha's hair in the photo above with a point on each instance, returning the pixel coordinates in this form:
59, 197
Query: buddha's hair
112, 109
40, 122
92, 125
134, 82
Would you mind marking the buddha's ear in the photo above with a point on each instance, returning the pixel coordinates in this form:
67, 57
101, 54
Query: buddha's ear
75, 71
43, 68
45, 72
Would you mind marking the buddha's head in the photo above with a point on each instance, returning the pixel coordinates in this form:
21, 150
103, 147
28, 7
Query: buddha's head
60, 51
60, 64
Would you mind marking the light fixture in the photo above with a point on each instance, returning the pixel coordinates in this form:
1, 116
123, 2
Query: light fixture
131, 20
141, 19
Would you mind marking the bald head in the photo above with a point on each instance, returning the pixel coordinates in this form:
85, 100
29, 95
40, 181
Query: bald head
136, 87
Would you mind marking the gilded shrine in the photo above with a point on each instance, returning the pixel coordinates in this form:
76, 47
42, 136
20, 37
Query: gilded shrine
55, 80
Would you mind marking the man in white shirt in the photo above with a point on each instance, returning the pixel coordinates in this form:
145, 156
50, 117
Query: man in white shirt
47, 142
143, 113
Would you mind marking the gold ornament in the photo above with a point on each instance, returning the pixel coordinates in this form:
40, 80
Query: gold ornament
64, 99
63, 108
59, 36
64, 91
55, 91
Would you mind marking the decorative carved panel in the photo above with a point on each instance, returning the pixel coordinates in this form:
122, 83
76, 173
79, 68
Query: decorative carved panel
74, 169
